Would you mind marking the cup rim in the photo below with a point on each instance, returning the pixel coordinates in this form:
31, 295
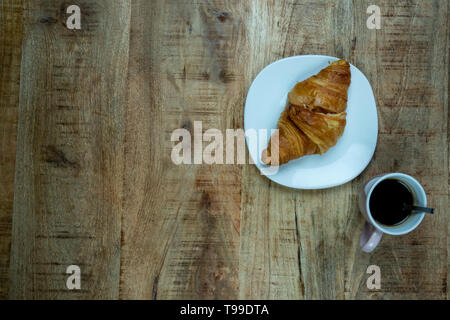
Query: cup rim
393, 230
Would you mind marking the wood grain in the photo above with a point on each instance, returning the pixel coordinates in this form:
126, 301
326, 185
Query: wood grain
10, 59
95, 185
70, 153
411, 91
191, 243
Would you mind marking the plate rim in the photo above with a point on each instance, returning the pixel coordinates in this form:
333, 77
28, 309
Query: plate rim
325, 186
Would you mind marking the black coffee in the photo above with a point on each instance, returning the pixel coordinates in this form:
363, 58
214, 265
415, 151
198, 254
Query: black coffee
388, 200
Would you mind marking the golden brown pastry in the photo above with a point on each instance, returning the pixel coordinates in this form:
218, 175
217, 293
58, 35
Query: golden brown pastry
323, 129
326, 90
314, 117
292, 143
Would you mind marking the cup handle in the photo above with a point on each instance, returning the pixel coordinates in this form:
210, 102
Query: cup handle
370, 237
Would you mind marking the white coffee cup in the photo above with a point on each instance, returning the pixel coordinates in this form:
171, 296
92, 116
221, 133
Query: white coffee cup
373, 230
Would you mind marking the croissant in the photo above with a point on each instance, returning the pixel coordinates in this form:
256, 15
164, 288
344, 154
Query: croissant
314, 118
292, 142
323, 129
327, 90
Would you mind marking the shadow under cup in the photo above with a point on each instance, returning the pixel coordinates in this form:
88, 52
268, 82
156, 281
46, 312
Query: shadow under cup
414, 218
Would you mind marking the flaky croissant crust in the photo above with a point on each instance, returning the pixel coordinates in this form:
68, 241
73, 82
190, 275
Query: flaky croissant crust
326, 90
314, 118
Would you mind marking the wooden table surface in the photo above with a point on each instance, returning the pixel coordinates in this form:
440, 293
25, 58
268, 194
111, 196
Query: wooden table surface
87, 179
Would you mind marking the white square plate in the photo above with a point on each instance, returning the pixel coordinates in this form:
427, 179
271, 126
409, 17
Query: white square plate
266, 100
